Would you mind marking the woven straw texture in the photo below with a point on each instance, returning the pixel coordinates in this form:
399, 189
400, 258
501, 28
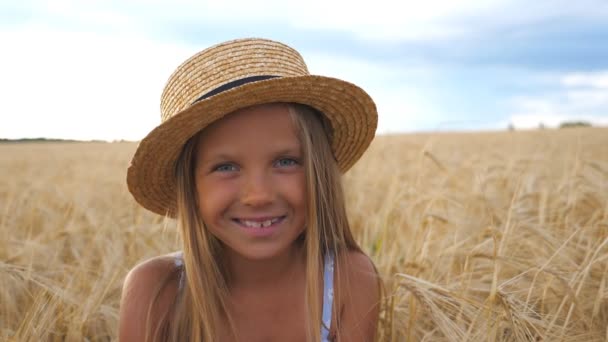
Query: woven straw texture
350, 110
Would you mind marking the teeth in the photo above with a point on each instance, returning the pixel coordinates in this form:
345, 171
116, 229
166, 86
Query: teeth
256, 224
252, 224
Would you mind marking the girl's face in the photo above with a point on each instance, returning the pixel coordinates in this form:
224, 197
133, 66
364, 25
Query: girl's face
250, 181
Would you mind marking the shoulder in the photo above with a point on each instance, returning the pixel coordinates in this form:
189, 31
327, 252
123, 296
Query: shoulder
149, 290
151, 271
358, 264
359, 294
357, 274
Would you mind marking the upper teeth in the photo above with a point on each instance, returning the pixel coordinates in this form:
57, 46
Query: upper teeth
259, 224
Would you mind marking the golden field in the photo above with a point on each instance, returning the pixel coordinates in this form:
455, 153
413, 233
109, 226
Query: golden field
480, 236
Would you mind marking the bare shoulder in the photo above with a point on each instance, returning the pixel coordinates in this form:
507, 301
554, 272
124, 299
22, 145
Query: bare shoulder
358, 264
359, 292
149, 290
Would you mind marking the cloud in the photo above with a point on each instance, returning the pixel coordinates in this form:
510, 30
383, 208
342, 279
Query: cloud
83, 85
95, 69
596, 80
577, 97
379, 20
402, 104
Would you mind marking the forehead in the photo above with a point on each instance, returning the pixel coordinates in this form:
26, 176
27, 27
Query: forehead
260, 126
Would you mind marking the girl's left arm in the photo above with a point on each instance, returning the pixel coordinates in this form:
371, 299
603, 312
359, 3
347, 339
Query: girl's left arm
359, 290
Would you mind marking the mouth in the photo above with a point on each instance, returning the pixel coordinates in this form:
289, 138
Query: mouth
259, 222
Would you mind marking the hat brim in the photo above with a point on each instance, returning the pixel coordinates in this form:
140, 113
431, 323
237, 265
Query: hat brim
349, 109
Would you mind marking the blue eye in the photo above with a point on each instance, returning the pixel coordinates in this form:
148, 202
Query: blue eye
225, 168
286, 162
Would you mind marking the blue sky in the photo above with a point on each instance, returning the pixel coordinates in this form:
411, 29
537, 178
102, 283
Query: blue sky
95, 69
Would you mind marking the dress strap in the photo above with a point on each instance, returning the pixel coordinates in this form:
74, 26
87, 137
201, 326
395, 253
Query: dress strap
328, 295
179, 263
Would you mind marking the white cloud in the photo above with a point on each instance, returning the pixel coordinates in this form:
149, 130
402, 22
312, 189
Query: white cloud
93, 70
377, 20
401, 106
586, 79
373, 20
403, 109
82, 85
552, 119
381, 19
99, 86
580, 97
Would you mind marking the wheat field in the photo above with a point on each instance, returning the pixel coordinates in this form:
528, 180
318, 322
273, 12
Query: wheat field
498, 236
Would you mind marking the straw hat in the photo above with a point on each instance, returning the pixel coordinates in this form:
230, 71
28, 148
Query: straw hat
234, 75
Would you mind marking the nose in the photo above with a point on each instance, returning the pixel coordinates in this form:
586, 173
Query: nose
257, 190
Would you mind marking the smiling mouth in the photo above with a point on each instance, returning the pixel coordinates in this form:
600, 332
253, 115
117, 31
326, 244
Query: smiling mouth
251, 223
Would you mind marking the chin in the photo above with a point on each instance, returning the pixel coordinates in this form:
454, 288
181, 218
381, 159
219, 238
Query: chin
260, 253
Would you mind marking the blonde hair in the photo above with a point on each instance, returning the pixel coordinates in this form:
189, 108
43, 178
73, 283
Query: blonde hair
201, 304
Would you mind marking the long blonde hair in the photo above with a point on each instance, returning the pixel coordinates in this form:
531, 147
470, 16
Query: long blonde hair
201, 305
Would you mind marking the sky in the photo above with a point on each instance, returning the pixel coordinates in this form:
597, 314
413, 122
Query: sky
95, 69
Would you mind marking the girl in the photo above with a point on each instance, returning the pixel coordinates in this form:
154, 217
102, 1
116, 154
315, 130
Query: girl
248, 160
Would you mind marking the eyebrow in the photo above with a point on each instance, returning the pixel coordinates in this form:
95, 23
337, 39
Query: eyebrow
214, 158
223, 156
289, 151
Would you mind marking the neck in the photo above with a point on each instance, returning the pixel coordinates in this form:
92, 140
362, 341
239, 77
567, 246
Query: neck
264, 274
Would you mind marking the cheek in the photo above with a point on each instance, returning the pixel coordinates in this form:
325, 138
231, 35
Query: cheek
212, 200
299, 201
295, 190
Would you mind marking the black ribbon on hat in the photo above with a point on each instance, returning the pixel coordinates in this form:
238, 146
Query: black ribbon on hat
233, 84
